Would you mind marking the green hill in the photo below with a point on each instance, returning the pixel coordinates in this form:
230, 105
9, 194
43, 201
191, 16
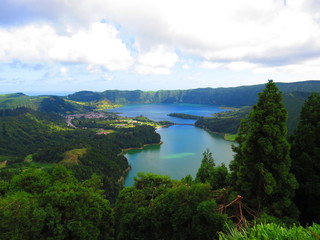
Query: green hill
24, 130
53, 104
30, 138
229, 122
234, 96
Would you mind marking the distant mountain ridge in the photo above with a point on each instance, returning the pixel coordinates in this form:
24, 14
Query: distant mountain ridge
85, 101
233, 96
294, 95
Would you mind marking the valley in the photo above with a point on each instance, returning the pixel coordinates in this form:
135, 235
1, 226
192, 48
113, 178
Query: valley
142, 155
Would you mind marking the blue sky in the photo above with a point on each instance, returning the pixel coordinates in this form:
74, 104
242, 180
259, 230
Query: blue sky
71, 45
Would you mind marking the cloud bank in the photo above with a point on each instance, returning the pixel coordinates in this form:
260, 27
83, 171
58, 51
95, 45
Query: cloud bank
147, 37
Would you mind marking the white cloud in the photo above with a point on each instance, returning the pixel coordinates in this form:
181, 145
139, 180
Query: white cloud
27, 44
156, 61
235, 66
263, 36
306, 68
211, 65
229, 31
148, 70
185, 66
107, 77
93, 68
98, 45
64, 71
240, 66
215, 30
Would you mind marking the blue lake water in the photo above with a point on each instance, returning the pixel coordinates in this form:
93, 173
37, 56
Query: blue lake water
159, 112
182, 148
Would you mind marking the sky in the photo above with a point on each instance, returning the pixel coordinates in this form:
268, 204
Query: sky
60, 46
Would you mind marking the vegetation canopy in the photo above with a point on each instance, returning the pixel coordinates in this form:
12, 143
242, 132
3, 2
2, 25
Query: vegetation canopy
60, 181
261, 169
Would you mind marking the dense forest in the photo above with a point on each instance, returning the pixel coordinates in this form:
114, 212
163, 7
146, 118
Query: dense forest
33, 138
59, 182
229, 121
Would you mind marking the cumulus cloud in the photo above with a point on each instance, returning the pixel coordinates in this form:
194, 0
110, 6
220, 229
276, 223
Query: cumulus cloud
258, 32
64, 71
240, 65
259, 36
99, 45
156, 61
185, 66
93, 68
306, 68
236, 65
211, 65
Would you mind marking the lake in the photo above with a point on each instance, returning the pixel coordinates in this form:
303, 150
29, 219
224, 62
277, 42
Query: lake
182, 148
159, 112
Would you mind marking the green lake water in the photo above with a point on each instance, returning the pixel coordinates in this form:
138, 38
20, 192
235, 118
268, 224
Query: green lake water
183, 145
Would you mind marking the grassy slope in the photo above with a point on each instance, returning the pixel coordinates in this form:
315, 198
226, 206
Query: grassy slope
11, 101
72, 156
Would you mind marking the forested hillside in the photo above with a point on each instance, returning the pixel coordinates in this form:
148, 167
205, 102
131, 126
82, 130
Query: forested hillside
31, 138
229, 121
233, 96
24, 130
51, 104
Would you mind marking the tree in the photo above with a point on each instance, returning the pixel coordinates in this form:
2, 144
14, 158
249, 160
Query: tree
209, 173
76, 210
187, 212
262, 164
21, 217
305, 154
205, 171
32, 181
159, 208
133, 209
41, 205
219, 178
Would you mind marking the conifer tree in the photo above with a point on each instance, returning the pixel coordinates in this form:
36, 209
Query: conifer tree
206, 169
306, 160
261, 166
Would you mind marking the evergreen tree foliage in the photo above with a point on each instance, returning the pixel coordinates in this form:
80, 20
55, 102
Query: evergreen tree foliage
306, 160
206, 168
39, 205
157, 207
210, 173
262, 164
21, 217
219, 178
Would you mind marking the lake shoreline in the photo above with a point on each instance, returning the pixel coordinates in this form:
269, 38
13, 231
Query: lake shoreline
126, 150
217, 133
173, 157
